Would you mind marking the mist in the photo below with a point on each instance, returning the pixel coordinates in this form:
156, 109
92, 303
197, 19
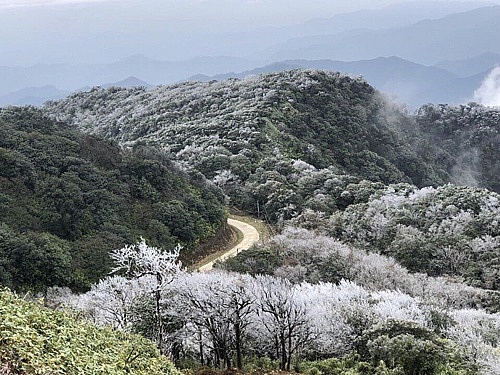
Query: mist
104, 31
489, 92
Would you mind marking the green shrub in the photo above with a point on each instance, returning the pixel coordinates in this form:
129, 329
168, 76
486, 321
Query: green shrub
35, 340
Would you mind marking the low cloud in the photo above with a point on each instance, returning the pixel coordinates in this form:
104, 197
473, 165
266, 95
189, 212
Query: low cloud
489, 92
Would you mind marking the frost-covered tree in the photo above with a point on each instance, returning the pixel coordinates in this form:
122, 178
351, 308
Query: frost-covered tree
449, 230
337, 314
220, 307
303, 255
141, 260
284, 316
478, 334
111, 301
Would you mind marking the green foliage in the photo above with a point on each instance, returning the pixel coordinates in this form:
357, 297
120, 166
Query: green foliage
396, 348
246, 135
349, 365
33, 260
411, 348
36, 340
253, 262
68, 198
451, 230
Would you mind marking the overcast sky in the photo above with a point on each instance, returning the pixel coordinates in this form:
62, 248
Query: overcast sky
35, 31
264, 11
275, 11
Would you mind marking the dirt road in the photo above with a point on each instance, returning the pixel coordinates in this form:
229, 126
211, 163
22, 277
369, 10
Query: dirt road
250, 236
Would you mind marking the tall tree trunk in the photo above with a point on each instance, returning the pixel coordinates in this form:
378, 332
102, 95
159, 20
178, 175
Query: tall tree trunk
202, 358
228, 360
277, 346
216, 358
159, 320
237, 334
283, 352
289, 359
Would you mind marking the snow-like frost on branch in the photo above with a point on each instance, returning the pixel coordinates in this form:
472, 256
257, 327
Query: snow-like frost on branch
141, 260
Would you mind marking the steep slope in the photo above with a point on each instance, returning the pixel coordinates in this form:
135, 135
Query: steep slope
273, 141
466, 140
68, 198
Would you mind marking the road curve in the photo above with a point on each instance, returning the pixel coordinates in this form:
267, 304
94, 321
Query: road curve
250, 237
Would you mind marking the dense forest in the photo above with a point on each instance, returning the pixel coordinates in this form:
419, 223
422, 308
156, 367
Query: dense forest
387, 256
68, 198
258, 137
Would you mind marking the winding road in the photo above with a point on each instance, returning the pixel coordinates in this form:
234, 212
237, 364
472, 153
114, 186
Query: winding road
250, 237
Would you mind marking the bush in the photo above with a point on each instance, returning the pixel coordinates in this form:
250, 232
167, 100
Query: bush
36, 340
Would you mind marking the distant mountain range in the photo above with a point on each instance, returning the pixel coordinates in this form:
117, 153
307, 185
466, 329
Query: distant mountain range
469, 67
32, 96
412, 59
405, 81
402, 80
457, 36
73, 77
37, 96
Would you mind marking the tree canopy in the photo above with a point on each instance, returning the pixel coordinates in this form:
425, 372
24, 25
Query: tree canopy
69, 198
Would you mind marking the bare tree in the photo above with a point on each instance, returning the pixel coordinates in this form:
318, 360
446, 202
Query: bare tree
283, 315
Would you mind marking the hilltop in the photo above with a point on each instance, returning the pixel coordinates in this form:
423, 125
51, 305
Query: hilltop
256, 136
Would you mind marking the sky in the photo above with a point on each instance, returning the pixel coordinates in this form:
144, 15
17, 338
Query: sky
341, 5
246, 11
100, 39
102, 31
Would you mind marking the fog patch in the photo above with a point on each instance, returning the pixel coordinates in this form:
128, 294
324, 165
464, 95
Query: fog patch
489, 92
467, 169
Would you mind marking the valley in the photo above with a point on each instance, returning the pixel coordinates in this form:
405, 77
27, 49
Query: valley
371, 205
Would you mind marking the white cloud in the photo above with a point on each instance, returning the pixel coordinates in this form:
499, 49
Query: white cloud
489, 92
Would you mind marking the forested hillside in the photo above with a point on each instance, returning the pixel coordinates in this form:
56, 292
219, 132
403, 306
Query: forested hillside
387, 258
445, 231
68, 198
466, 141
263, 139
